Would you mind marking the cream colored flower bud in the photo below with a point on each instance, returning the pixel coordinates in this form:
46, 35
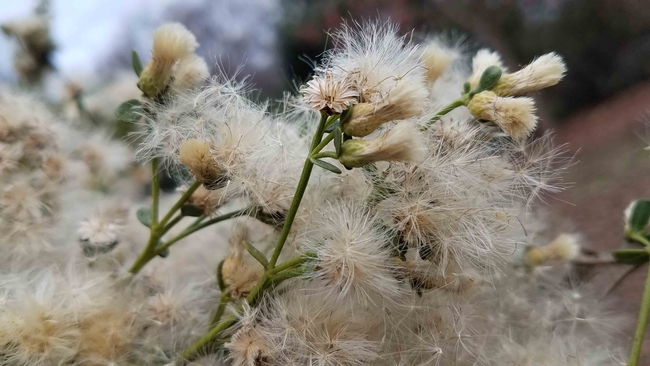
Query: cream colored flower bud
195, 155
543, 72
515, 116
436, 59
403, 143
171, 43
564, 248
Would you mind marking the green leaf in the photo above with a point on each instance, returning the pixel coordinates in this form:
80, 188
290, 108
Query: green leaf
466, 87
129, 111
256, 253
325, 165
346, 115
337, 141
333, 126
488, 80
631, 256
137, 65
192, 210
220, 282
638, 218
144, 216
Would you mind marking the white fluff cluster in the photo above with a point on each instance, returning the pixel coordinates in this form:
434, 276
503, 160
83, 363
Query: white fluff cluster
412, 257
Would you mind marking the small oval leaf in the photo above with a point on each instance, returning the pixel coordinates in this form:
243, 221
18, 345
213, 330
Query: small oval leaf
137, 64
489, 78
129, 111
631, 256
337, 141
164, 253
333, 126
639, 217
191, 210
144, 216
325, 165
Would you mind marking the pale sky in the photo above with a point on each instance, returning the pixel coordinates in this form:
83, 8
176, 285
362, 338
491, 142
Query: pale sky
85, 31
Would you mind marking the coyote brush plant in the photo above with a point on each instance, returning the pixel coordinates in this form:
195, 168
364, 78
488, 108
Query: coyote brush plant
377, 219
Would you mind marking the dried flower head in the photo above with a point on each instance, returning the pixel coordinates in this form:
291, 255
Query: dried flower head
329, 93
248, 348
102, 231
515, 116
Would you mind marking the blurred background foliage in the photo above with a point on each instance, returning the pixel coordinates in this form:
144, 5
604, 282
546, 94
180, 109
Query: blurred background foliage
606, 43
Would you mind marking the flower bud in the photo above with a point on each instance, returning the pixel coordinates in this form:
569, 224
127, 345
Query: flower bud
365, 118
171, 43
543, 72
402, 143
195, 155
515, 116
564, 248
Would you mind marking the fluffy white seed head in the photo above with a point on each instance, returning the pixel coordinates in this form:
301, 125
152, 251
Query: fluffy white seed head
353, 255
403, 142
191, 71
515, 116
437, 58
248, 348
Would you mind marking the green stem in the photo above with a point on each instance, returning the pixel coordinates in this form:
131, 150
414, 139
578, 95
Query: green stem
324, 143
641, 239
641, 324
181, 201
331, 120
291, 263
147, 254
223, 302
193, 228
450, 107
191, 352
155, 192
171, 224
209, 338
300, 191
